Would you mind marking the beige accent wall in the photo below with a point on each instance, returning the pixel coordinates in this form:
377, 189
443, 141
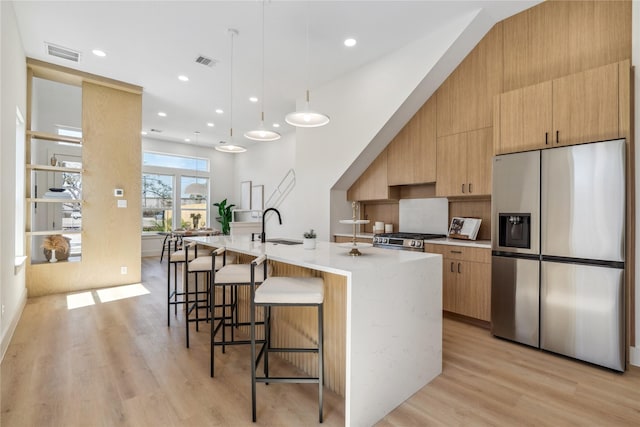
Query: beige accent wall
111, 122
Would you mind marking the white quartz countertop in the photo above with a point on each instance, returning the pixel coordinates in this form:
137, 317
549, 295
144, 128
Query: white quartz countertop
484, 244
359, 235
327, 256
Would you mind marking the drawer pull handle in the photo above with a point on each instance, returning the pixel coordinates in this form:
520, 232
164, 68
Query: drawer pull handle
456, 252
557, 137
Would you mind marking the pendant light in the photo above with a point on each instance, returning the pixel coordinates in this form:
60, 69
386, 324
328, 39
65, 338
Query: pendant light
307, 118
261, 133
223, 146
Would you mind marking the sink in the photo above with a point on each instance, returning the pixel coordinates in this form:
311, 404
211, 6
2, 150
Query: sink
284, 242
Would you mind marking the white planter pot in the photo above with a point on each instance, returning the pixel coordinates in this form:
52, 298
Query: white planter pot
308, 243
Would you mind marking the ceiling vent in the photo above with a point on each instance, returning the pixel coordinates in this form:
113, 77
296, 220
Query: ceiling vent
206, 61
63, 52
156, 130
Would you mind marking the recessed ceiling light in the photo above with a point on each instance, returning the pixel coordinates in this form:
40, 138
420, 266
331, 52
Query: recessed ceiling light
98, 52
143, 132
219, 110
162, 114
187, 140
276, 125
210, 124
253, 99
183, 78
350, 42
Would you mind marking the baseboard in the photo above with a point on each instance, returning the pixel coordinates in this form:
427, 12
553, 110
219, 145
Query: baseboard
6, 339
634, 356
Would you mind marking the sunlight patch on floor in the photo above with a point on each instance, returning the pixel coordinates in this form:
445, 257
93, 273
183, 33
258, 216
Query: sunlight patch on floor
83, 299
121, 292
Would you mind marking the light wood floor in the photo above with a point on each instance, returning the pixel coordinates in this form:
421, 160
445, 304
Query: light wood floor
117, 364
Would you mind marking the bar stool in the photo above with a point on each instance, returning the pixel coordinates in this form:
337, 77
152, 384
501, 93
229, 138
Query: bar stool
201, 265
175, 258
284, 291
230, 276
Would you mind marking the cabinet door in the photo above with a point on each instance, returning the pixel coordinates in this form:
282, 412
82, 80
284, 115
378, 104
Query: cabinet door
424, 142
452, 165
400, 156
449, 284
585, 106
372, 184
479, 149
525, 119
474, 290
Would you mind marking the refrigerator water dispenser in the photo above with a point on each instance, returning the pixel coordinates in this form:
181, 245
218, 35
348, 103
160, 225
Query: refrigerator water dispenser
514, 230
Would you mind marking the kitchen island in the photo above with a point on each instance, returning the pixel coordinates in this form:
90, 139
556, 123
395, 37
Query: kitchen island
386, 326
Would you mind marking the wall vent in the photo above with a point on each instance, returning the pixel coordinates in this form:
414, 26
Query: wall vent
62, 52
206, 61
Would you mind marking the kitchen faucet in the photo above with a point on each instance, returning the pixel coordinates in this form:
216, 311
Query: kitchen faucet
263, 237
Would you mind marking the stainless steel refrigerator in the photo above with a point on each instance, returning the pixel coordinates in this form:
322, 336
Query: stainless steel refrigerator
558, 250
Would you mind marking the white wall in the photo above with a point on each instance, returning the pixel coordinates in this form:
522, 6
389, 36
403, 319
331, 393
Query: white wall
13, 85
267, 163
635, 59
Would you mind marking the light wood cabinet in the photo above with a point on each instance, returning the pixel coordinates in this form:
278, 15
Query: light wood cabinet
412, 153
464, 99
373, 183
585, 106
464, 164
466, 280
578, 108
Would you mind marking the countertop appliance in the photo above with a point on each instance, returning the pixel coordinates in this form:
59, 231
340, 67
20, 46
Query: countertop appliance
419, 220
558, 251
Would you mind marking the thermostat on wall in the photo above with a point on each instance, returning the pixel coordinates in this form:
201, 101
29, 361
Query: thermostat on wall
118, 192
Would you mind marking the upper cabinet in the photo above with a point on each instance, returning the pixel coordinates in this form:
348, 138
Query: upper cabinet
412, 153
373, 183
464, 99
464, 164
578, 108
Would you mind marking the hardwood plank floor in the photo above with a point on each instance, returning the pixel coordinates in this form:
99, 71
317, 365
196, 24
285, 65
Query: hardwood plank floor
117, 364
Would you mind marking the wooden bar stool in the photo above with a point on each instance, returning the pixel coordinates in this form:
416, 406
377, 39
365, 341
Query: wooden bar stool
284, 291
201, 297
176, 257
230, 276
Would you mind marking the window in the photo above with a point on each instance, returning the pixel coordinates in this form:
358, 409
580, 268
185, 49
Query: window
175, 192
157, 202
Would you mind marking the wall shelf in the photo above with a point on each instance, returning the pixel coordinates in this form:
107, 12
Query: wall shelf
47, 168
40, 200
52, 137
52, 232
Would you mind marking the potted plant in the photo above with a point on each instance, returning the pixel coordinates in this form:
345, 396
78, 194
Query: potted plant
309, 241
225, 215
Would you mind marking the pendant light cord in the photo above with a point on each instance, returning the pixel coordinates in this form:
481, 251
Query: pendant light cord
262, 96
231, 89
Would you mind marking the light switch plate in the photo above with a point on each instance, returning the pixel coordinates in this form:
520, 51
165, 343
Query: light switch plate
118, 192
122, 203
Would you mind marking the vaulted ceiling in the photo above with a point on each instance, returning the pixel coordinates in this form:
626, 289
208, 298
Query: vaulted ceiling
151, 43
